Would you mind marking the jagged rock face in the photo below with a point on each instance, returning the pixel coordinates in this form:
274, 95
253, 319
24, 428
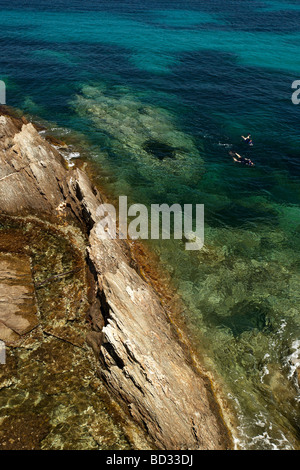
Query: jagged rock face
31, 173
140, 357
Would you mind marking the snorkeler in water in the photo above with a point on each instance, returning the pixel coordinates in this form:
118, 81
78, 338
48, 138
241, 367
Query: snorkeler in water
248, 139
239, 159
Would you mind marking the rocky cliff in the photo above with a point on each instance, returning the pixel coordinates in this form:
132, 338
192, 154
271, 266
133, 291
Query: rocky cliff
139, 355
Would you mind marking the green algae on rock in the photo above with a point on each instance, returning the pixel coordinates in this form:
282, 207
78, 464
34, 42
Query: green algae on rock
50, 396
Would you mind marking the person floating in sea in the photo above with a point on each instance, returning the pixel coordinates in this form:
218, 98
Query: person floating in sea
248, 139
239, 159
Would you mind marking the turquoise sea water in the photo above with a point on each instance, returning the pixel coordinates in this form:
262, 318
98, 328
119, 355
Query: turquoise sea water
195, 76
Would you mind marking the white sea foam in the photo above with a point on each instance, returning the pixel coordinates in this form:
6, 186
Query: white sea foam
293, 363
73, 155
62, 130
227, 146
69, 156
257, 433
265, 370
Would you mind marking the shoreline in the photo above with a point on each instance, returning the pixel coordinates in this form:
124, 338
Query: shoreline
148, 266
132, 359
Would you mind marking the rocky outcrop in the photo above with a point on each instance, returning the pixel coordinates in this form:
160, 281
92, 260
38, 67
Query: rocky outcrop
140, 357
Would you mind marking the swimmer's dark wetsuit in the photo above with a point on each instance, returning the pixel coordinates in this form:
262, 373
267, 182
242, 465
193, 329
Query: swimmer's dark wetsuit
245, 161
242, 160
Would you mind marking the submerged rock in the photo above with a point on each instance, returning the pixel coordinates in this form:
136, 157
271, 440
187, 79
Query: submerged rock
159, 149
146, 134
138, 354
18, 314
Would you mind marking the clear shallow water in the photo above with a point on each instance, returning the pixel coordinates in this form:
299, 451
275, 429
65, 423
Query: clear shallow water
193, 76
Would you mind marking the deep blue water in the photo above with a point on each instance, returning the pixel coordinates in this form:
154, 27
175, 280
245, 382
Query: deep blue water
194, 75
